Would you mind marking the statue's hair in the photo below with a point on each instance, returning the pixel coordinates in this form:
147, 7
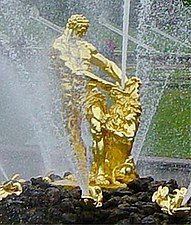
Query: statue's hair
76, 22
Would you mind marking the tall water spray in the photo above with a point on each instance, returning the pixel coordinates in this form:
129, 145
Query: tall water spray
126, 10
30, 105
2, 171
151, 90
160, 71
143, 68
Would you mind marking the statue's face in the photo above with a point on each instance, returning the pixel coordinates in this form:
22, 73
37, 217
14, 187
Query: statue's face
78, 24
81, 30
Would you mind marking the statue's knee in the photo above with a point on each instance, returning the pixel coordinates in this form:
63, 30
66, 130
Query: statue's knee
97, 135
97, 112
95, 125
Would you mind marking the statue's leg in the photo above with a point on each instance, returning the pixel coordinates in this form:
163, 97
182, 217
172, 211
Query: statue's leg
96, 110
98, 142
74, 128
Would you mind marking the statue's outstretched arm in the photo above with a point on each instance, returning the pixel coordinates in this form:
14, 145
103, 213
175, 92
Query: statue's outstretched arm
107, 66
106, 85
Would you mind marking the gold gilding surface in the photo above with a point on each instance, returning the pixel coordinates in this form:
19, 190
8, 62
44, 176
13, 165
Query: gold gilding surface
95, 196
171, 203
12, 186
112, 111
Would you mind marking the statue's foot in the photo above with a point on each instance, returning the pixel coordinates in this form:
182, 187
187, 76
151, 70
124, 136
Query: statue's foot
101, 180
119, 184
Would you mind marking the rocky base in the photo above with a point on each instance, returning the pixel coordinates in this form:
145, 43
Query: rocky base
43, 203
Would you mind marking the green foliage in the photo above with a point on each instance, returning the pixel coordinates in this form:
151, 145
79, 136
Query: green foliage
187, 2
169, 134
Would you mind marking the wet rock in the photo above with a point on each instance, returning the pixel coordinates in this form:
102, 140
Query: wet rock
129, 208
134, 218
36, 217
40, 182
53, 195
150, 220
113, 202
106, 194
41, 203
67, 205
129, 199
76, 193
65, 194
69, 218
172, 184
125, 206
101, 215
53, 212
66, 174
140, 184
143, 196
161, 216
87, 216
123, 222
121, 192
55, 177
148, 208
117, 215
155, 185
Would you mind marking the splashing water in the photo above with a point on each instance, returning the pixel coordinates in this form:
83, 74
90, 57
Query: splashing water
153, 30
187, 196
38, 93
28, 91
3, 172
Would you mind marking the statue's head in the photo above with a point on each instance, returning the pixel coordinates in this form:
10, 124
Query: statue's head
78, 24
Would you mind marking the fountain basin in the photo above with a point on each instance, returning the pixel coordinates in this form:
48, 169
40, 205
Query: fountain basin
43, 203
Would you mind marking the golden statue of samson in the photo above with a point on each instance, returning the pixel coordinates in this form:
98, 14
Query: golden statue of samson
112, 112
